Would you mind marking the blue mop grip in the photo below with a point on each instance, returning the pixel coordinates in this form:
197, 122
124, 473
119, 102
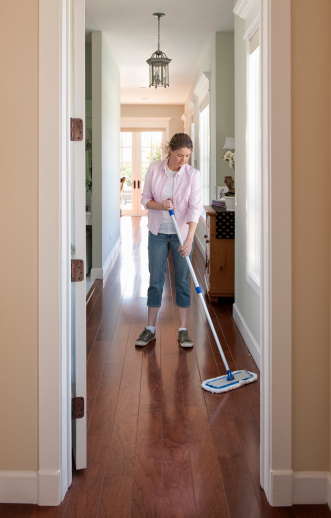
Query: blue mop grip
171, 212
198, 289
230, 376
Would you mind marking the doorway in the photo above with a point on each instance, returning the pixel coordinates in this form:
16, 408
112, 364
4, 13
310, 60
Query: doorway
138, 150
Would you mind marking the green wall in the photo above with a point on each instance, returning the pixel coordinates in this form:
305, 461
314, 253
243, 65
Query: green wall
247, 301
106, 151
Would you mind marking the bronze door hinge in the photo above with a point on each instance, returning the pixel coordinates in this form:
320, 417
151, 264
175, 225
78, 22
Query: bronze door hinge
77, 407
77, 270
76, 129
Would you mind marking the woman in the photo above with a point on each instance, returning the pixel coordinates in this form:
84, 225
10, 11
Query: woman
171, 184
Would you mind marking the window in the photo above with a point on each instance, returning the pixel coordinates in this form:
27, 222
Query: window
202, 92
253, 156
193, 161
204, 150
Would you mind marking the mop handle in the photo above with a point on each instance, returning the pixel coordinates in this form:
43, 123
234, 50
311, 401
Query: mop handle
199, 292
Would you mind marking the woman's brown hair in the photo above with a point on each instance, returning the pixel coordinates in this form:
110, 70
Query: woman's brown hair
180, 140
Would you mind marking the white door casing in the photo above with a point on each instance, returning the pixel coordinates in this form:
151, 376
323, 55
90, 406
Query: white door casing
54, 377
274, 19
76, 89
276, 293
54, 470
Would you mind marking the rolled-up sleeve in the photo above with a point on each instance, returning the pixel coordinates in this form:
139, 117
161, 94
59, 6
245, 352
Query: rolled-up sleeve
147, 190
195, 201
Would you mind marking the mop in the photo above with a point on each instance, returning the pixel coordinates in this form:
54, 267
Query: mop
230, 380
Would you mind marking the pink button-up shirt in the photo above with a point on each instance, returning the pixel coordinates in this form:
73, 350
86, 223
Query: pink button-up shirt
186, 197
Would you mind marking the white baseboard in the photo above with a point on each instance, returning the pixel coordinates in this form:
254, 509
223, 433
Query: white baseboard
49, 487
18, 487
200, 245
102, 273
109, 263
251, 343
281, 488
96, 273
30, 487
310, 487
289, 488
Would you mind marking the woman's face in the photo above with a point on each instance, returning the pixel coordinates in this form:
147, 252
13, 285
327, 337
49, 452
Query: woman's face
180, 156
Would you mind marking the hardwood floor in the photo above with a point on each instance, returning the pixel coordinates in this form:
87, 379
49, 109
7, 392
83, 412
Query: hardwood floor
158, 445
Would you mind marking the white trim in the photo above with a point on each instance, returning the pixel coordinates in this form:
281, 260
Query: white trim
280, 488
191, 108
77, 217
243, 8
18, 487
147, 122
253, 282
250, 341
202, 87
49, 488
200, 245
53, 445
110, 261
30, 487
289, 488
103, 273
310, 487
276, 280
253, 27
96, 273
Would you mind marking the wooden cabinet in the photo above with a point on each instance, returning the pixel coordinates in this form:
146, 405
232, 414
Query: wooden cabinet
219, 259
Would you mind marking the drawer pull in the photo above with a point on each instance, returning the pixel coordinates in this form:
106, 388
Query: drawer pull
207, 240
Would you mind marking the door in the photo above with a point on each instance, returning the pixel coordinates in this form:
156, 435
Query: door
78, 229
138, 150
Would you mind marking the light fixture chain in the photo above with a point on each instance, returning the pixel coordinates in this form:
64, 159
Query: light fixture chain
158, 35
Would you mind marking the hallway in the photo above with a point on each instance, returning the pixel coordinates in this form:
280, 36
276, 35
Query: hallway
158, 445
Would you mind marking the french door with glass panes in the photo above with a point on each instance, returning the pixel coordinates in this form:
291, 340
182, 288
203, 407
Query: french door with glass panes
138, 150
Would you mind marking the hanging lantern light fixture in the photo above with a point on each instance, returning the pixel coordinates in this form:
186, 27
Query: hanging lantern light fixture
158, 63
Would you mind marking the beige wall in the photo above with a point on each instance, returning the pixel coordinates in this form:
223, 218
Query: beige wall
176, 125
19, 236
311, 24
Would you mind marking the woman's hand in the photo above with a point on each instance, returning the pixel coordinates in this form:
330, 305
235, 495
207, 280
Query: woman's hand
167, 204
186, 249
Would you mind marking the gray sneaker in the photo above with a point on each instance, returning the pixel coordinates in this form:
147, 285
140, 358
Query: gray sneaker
184, 339
145, 337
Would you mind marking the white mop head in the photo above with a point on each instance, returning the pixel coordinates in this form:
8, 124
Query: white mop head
223, 384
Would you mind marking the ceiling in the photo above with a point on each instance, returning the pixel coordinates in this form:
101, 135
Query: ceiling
131, 29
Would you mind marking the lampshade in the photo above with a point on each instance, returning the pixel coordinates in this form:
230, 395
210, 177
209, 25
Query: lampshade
229, 143
158, 63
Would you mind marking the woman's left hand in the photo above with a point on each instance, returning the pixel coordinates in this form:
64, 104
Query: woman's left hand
185, 250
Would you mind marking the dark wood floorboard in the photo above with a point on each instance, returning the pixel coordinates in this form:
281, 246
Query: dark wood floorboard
159, 445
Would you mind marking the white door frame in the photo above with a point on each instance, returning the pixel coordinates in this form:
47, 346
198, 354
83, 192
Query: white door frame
54, 375
274, 19
77, 428
276, 294
54, 471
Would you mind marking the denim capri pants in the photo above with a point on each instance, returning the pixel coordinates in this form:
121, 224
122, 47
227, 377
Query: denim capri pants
158, 249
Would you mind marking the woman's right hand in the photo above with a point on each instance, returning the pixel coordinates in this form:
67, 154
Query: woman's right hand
167, 204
